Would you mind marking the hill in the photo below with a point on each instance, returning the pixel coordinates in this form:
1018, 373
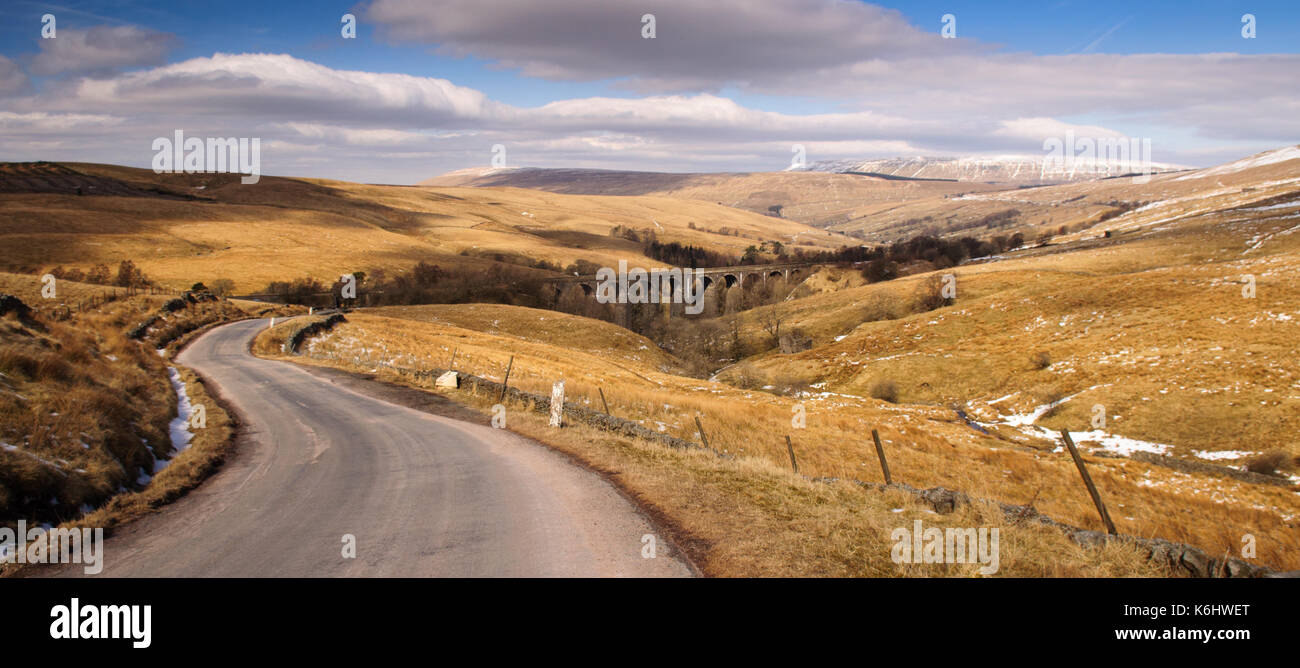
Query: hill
1083, 208
179, 228
812, 198
1009, 170
928, 444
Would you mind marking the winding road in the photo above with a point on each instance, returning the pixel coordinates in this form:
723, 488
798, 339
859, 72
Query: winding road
423, 495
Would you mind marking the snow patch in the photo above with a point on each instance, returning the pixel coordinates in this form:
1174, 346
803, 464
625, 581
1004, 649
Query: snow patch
179, 427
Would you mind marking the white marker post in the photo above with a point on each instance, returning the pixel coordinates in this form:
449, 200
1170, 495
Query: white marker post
557, 403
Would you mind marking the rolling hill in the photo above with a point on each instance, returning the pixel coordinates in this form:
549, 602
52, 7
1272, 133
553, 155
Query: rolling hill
180, 228
813, 198
1006, 171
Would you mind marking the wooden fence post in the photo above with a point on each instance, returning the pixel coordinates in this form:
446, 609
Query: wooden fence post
880, 452
452, 366
790, 448
603, 402
1087, 481
703, 439
506, 381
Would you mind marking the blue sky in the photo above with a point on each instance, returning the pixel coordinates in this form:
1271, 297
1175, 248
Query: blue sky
726, 85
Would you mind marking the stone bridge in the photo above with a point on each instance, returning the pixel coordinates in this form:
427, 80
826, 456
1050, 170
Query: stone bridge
716, 281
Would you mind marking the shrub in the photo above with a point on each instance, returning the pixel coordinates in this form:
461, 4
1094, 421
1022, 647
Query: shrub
1040, 360
882, 306
1271, 462
929, 294
885, 390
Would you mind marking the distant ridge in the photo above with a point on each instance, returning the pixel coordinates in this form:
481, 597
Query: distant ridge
1008, 170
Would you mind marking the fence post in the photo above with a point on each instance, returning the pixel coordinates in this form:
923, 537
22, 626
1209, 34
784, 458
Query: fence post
506, 381
603, 402
557, 404
1087, 481
790, 447
452, 365
880, 452
703, 439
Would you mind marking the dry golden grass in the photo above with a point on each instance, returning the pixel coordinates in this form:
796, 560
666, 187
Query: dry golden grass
85, 410
80, 407
1150, 324
1167, 343
210, 446
814, 198
928, 446
282, 229
748, 517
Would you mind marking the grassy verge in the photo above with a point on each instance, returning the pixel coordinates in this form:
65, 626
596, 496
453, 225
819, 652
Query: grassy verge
85, 412
928, 446
746, 516
211, 445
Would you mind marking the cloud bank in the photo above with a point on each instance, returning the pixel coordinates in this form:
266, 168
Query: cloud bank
897, 90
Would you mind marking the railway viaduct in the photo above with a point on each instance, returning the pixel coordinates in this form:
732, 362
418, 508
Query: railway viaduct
746, 276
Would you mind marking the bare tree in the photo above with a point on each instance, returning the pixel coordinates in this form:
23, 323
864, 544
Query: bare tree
771, 320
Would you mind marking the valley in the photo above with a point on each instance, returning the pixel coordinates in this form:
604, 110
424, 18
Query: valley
1154, 322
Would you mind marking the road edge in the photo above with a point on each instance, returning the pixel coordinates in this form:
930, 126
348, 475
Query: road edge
687, 547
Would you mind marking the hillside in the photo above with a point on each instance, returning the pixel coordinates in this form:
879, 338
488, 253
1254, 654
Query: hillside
1134, 314
1151, 323
88, 401
882, 201
812, 198
1073, 209
928, 444
1007, 171
179, 228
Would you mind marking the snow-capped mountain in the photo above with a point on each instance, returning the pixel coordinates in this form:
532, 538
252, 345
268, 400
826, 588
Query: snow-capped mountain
997, 169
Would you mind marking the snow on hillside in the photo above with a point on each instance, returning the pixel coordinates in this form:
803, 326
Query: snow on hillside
1258, 160
991, 169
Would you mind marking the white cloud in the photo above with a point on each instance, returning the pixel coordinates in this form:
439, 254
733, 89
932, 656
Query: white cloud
282, 87
12, 79
45, 123
1036, 129
101, 49
355, 136
319, 121
697, 45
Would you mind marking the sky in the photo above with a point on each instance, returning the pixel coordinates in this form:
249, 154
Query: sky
431, 86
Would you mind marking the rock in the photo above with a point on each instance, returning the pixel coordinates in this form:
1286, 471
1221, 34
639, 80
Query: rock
11, 304
449, 379
1091, 539
1241, 569
944, 501
1162, 552
1196, 563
